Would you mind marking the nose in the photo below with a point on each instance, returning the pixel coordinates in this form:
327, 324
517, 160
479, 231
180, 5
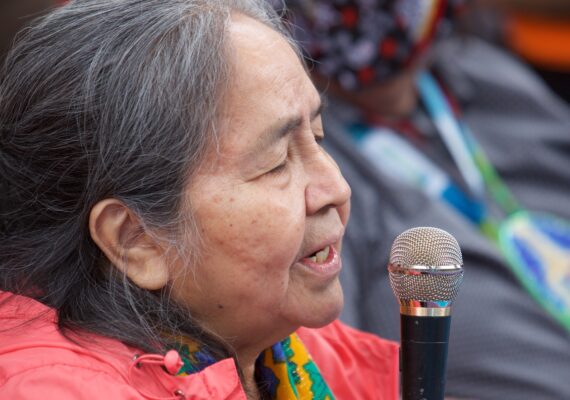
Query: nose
327, 188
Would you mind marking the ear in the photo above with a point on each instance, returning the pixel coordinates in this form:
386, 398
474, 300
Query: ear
120, 235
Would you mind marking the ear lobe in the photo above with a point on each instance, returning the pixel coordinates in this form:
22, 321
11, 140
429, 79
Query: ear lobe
122, 238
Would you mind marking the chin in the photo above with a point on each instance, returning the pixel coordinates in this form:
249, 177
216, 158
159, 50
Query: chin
327, 311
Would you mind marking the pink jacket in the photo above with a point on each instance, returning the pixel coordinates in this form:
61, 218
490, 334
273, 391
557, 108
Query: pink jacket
37, 362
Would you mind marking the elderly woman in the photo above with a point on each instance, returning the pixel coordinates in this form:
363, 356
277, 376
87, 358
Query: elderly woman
171, 226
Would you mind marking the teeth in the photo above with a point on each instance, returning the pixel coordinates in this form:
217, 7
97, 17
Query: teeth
322, 255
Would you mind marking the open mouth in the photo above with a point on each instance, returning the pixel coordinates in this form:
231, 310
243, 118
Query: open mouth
325, 263
320, 256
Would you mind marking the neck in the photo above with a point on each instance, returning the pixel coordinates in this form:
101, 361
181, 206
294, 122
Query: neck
249, 384
395, 100
246, 359
247, 352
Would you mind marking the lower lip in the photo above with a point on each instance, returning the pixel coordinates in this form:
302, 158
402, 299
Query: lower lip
330, 267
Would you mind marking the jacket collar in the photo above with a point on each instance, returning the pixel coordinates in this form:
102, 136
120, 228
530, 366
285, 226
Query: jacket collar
29, 324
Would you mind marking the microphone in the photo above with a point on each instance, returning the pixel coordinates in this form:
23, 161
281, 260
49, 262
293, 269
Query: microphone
426, 270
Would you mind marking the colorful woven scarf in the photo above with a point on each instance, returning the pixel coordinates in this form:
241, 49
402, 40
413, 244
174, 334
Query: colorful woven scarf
283, 371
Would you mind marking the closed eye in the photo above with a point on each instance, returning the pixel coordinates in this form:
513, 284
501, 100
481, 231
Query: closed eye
280, 168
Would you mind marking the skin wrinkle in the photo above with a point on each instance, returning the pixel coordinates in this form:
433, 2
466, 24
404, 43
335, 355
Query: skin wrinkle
267, 152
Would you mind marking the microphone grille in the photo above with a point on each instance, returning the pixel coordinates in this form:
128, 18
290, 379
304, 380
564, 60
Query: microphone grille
416, 262
425, 246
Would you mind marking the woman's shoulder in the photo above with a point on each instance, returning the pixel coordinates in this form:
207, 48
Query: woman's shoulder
351, 360
37, 361
30, 328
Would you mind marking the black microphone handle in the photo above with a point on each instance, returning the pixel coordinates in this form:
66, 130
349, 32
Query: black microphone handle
423, 356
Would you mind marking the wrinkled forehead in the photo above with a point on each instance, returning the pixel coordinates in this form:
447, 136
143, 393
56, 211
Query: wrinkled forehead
267, 83
253, 45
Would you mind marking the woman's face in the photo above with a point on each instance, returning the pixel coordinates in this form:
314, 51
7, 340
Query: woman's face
267, 201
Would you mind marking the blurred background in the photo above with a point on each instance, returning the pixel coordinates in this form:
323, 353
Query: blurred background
538, 31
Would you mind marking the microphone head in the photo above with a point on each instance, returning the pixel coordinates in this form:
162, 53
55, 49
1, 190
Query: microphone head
426, 270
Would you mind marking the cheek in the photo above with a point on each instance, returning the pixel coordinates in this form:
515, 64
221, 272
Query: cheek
255, 232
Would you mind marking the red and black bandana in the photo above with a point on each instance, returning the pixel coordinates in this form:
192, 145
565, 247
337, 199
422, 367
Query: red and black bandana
359, 42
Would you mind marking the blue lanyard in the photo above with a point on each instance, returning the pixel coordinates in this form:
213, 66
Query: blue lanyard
451, 132
469, 154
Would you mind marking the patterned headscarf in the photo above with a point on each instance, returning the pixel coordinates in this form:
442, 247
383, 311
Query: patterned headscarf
358, 42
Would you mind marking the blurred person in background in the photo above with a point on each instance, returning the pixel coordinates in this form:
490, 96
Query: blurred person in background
460, 136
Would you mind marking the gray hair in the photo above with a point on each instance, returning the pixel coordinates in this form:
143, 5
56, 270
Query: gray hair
99, 99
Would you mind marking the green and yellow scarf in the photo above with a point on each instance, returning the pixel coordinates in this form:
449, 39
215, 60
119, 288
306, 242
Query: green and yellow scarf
283, 371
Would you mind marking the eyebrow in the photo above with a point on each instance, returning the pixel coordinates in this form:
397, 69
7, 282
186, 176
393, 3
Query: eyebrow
281, 129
